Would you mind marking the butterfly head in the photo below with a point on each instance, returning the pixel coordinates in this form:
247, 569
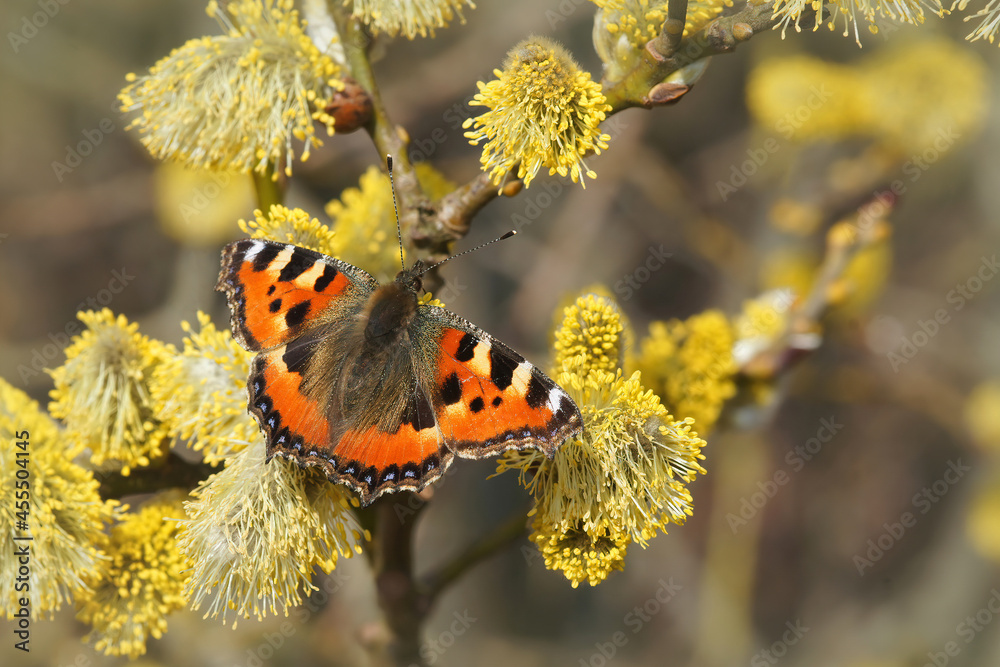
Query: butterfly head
411, 278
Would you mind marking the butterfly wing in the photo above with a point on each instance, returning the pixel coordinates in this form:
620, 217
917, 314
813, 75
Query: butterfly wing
298, 308
449, 389
403, 450
406, 452
486, 398
380, 418
276, 291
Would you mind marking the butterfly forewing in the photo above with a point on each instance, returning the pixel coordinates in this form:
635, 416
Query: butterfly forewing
487, 398
275, 290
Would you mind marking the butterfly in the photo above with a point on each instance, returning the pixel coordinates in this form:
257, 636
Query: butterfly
376, 388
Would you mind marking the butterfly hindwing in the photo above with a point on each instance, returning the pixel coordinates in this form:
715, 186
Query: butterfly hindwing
373, 460
487, 399
275, 290
401, 450
294, 424
368, 458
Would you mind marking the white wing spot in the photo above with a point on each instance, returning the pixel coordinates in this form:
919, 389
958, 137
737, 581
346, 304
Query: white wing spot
255, 247
555, 399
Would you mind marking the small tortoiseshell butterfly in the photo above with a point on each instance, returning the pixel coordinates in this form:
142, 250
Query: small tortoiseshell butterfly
377, 389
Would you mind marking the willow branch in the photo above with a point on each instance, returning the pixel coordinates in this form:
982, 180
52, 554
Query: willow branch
429, 228
387, 138
173, 472
502, 535
270, 188
666, 43
404, 604
668, 53
801, 334
456, 209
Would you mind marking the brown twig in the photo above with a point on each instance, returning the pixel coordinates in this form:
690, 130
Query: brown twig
385, 135
502, 535
668, 53
801, 334
172, 472
429, 228
456, 209
402, 601
666, 43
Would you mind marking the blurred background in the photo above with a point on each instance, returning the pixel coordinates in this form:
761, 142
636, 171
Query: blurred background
854, 520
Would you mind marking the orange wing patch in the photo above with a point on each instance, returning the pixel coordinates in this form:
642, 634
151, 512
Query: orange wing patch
489, 399
369, 461
372, 461
292, 423
382, 450
275, 290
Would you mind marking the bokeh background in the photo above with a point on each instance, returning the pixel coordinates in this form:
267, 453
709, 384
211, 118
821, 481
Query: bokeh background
785, 584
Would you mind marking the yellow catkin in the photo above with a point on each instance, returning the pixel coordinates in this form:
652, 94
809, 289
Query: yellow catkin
64, 513
410, 17
543, 112
622, 480
235, 102
142, 582
102, 392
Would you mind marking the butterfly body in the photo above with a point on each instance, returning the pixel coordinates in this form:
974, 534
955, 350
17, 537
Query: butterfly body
364, 381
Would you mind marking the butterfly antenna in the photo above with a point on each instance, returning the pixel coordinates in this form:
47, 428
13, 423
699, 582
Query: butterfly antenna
392, 187
466, 252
